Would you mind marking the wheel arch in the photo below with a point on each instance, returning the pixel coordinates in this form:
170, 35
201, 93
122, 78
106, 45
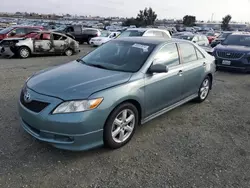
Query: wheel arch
132, 101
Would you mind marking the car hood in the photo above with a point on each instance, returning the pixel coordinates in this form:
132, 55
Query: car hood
75, 81
233, 48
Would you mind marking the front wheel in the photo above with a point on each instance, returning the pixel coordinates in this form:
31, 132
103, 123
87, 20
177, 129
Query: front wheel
120, 126
24, 52
204, 89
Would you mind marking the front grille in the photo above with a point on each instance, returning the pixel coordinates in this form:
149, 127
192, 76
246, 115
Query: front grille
230, 55
34, 105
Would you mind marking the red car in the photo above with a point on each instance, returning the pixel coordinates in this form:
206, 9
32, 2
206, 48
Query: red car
18, 31
211, 37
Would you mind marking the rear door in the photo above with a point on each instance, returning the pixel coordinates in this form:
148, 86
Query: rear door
193, 68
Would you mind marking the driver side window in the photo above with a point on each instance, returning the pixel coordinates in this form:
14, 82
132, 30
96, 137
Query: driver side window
168, 56
18, 31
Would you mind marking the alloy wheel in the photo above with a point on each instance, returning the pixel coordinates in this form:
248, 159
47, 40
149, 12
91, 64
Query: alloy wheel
123, 126
204, 90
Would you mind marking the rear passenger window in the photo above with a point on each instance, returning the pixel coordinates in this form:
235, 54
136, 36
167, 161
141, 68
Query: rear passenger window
199, 54
188, 52
32, 30
168, 55
158, 33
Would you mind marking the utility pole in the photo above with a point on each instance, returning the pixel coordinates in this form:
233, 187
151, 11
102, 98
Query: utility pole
212, 17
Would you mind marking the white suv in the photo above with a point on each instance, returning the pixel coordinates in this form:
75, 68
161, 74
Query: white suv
146, 32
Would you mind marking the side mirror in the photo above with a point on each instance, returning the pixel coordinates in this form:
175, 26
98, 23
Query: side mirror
158, 68
194, 41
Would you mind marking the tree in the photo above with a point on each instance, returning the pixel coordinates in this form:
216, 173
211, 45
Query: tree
225, 22
144, 18
189, 20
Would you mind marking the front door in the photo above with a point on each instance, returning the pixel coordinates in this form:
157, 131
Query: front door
164, 89
193, 68
43, 44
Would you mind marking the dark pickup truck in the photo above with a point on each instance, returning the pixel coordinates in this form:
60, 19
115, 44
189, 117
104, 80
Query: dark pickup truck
80, 33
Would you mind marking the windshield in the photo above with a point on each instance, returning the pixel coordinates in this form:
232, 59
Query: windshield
239, 40
224, 35
186, 37
120, 56
131, 33
210, 34
5, 31
105, 34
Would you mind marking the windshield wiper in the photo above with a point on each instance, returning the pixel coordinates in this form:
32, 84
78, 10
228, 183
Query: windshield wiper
98, 66
80, 60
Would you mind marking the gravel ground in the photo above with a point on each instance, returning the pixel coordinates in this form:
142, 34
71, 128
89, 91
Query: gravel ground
195, 145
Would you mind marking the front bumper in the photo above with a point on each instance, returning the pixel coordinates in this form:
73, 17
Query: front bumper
72, 131
6, 52
242, 64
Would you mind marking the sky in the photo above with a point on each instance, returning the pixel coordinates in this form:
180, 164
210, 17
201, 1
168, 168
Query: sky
202, 9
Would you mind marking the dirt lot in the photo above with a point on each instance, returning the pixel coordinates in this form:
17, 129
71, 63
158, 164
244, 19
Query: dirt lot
196, 145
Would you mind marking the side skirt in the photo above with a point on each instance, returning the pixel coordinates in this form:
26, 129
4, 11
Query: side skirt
164, 110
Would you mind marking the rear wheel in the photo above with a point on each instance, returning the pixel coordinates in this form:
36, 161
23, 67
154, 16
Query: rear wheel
120, 126
24, 52
69, 52
204, 89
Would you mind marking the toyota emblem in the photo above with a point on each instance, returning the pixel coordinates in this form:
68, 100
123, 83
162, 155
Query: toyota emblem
27, 97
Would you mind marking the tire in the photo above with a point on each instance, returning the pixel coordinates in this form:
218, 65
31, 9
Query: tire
68, 52
24, 52
88, 41
116, 126
204, 89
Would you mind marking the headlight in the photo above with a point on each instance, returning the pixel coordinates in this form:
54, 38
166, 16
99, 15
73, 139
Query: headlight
77, 106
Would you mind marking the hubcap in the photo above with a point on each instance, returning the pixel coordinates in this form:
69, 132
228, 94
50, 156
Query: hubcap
68, 52
24, 53
204, 89
123, 125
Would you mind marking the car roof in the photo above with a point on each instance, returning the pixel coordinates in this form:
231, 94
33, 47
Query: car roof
145, 29
149, 40
241, 33
26, 26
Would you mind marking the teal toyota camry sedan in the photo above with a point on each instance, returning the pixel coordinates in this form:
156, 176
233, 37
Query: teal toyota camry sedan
101, 98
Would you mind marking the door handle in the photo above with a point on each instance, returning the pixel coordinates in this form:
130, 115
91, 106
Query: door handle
204, 64
180, 72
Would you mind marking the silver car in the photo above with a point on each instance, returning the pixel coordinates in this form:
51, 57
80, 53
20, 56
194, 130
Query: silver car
44, 42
